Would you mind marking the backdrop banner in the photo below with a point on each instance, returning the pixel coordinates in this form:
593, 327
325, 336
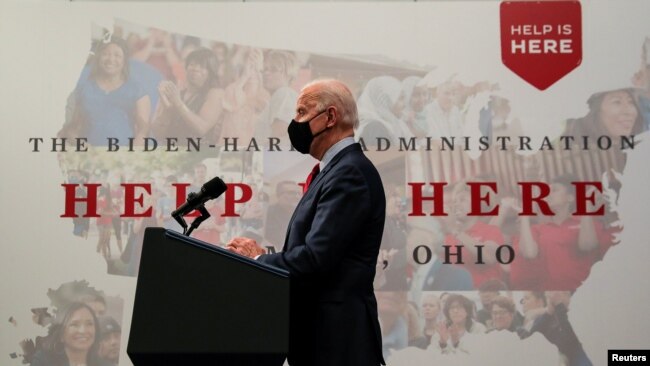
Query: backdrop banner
511, 138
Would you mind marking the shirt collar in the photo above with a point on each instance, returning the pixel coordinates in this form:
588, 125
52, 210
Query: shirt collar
335, 149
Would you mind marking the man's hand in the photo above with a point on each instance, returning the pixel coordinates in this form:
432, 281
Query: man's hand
245, 246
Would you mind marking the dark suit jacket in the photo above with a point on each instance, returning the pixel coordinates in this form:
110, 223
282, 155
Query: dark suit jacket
330, 251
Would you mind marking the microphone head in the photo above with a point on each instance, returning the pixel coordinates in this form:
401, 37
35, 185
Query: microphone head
214, 188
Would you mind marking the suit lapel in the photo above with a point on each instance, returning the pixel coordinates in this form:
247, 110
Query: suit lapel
314, 183
332, 163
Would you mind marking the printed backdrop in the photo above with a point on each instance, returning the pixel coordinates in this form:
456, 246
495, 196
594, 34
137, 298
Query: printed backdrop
207, 90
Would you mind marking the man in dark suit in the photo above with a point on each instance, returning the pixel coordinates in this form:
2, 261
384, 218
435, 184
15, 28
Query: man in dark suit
333, 238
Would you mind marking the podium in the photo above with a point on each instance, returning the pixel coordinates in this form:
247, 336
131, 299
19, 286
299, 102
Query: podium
197, 304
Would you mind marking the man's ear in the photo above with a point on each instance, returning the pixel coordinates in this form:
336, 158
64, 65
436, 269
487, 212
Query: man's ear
332, 116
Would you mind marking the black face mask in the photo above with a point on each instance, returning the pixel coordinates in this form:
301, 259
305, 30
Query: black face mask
300, 134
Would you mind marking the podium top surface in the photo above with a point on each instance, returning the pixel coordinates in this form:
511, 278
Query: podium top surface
234, 256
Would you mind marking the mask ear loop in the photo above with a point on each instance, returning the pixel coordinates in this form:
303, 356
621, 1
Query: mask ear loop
326, 126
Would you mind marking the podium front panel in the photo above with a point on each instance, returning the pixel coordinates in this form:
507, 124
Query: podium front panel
197, 301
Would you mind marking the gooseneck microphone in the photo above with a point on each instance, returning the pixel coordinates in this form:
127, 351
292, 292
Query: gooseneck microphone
195, 200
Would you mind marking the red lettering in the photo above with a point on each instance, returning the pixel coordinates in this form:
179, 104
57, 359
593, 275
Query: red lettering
582, 198
532, 193
418, 198
130, 199
90, 199
477, 199
527, 198
247, 194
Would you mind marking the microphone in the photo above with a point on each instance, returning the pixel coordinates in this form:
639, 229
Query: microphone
209, 191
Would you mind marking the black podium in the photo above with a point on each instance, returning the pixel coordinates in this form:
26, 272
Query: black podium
196, 304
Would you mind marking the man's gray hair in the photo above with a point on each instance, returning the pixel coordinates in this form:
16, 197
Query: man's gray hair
333, 92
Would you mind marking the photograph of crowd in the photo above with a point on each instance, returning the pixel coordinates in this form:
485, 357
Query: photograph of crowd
82, 328
451, 323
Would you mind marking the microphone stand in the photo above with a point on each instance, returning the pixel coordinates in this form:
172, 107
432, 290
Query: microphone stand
181, 221
204, 216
